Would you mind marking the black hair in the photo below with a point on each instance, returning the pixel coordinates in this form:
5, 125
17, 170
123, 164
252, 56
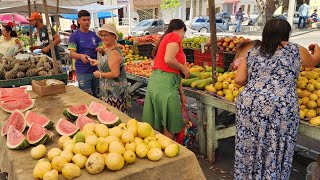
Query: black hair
9, 29
175, 24
274, 32
83, 13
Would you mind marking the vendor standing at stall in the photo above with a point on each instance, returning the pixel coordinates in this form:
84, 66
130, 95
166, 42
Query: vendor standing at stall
82, 45
42, 31
9, 43
165, 98
112, 73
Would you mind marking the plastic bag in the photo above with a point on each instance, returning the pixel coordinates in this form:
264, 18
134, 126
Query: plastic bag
187, 135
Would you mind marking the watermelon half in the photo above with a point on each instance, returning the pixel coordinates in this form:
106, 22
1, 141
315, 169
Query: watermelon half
66, 128
12, 92
15, 139
95, 108
83, 120
20, 104
33, 117
37, 134
75, 111
108, 118
17, 120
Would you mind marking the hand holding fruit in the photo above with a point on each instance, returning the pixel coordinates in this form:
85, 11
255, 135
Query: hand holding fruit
84, 58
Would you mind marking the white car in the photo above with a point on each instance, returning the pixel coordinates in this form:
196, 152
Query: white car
246, 19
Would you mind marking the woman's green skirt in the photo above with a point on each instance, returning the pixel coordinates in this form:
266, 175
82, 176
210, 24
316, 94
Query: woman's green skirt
162, 107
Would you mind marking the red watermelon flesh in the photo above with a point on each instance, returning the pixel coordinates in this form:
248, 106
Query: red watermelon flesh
33, 117
36, 133
12, 98
65, 127
78, 110
83, 120
12, 92
95, 108
21, 104
108, 118
15, 139
17, 120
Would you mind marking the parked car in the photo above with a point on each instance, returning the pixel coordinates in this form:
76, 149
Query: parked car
202, 24
224, 15
285, 16
148, 27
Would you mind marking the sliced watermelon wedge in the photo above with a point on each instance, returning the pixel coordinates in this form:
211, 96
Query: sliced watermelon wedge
95, 108
33, 117
12, 98
83, 120
66, 128
108, 118
17, 120
37, 134
15, 139
12, 92
75, 111
20, 104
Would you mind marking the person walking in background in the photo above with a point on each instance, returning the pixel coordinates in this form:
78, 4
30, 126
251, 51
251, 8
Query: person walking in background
42, 31
73, 26
165, 97
112, 73
82, 45
267, 116
239, 19
303, 14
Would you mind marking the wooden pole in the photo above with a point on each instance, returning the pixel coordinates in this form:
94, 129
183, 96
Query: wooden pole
57, 19
53, 52
30, 27
213, 37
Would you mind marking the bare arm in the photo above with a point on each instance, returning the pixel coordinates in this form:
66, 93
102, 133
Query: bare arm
75, 55
18, 43
307, 59
241, 77
170, 58
114, 61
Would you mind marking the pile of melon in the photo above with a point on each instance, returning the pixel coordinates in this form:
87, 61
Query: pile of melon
97, 147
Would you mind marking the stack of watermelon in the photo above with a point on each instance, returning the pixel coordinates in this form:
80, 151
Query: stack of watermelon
12, 99
80, 113
36, 134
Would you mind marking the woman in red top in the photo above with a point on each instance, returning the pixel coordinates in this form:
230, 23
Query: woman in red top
165, 98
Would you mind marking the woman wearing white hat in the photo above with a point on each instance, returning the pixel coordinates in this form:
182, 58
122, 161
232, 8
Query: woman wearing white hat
112, 74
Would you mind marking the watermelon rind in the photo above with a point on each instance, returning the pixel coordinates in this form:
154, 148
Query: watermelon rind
22, 110
60, 131
109, 123
41, 140
93, 111
69, 115
5, 131
22, 145
46, 125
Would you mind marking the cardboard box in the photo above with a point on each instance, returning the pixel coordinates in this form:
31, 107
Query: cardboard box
40, 88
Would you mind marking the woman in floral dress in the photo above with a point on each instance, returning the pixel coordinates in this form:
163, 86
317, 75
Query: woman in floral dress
267, 116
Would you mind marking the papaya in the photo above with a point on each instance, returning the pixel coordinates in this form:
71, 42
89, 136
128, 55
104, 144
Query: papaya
194, 83
198, 69
208, 68
196, 66
203, 83
194, 75
204, 75
220, 70
211, 88
187, 82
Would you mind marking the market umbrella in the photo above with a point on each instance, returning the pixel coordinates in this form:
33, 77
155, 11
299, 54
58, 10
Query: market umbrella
101, 15
13, 17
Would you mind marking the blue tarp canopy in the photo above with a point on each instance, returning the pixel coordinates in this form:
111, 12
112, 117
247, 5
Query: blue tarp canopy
101, 15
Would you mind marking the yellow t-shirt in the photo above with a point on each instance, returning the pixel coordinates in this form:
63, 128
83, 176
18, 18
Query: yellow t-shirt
6, 45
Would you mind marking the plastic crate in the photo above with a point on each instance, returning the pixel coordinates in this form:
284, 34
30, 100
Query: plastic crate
228, 59
189, 55
145, 50
203, 59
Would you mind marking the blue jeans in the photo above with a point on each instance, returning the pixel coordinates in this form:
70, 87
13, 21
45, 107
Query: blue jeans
304, 18
238, 27
88, 83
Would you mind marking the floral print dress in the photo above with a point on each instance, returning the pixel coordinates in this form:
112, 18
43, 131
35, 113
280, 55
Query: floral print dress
267, 116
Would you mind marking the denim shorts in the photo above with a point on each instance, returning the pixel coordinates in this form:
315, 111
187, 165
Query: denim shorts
88, 83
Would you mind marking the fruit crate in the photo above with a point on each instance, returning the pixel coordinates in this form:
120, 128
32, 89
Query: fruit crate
189, 55
146, 50
203, 59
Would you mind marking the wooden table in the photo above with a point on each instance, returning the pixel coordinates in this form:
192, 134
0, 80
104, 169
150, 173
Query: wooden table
27, 80
19, 164
207, 106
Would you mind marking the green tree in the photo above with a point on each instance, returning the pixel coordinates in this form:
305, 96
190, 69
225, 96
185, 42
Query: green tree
170, 6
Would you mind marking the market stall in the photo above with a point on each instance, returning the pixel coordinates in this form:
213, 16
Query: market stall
19, 164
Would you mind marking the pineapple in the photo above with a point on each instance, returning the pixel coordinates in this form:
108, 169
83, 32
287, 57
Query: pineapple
12, 73
7, 67
47, 66
42, 73
51, 72
23, 68
21, 74
33, 72
2, 71
39, 64
32, 66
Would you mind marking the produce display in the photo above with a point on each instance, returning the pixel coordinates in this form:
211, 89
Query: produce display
194, 42
129, 54
148, 39
230, 44
12, 99
102, 143
11, 68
